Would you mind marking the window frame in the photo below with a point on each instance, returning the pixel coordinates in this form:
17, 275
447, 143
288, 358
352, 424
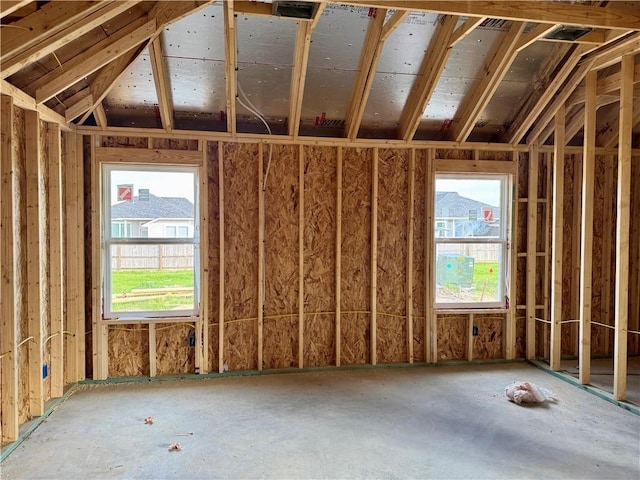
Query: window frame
106, 241
504, 240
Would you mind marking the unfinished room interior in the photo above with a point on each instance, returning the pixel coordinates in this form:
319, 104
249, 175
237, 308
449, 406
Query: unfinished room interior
304, 239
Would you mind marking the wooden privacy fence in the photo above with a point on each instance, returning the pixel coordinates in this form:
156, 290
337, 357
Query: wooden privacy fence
481, 253
151, 257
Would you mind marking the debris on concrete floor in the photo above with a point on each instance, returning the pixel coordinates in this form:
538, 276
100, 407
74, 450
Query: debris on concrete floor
148, 421
175, 447
527, 392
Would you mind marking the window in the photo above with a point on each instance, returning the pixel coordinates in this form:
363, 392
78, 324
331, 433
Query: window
150, 252
471, 240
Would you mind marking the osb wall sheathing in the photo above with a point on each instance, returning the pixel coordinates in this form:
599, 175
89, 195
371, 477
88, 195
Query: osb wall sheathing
356, 255
240, 254
20, 262
520, 268
173, 353
128, 351
319, 256
213, 254
453, 333
488, 343
281, 258
419, 256
393, 180
129, 142
174, 144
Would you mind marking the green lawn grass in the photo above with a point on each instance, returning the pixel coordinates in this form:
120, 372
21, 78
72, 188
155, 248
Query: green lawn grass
482, 271
124, 281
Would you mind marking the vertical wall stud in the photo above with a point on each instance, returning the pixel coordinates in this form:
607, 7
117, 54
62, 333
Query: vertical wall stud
532, 221
301, 256
56, 270
8, 318
261, 193
221, 269
557, 232
410, 234
586, 236
431, 319
510, 328
374, 258
153, 358
338, 256
202, 324
34, 169
623, 220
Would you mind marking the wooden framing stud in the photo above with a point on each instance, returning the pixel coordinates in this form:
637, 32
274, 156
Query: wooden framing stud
339, 257
161, 81
230, 45
586, 234
558, 237
431, 319
202, 323
374, 259
299, 75
153, 357
532, 222
410, 234
221, 259
261, 272
300, 256
623, 220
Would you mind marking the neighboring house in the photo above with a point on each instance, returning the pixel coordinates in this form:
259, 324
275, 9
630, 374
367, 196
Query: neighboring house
458, 216
154, 217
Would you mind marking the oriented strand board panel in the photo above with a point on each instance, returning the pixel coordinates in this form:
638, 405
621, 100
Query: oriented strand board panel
281, 259
319, 256
240, 255
213, 253
521, 340
174, 144
454, 154
356, 255
173, 353
487, 345
633, 340
393, 183
128, 351
503, 156
132, 142
570, 210
453, 333
418, 257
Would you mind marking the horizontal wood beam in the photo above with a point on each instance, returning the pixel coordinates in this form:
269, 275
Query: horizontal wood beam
611, 53
65, 36
609, 138
148, 155
609, 84
613, 16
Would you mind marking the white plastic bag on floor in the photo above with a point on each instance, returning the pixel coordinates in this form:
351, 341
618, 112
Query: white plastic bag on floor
527, 392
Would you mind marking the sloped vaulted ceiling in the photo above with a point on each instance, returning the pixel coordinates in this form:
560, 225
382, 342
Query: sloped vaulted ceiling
441, 70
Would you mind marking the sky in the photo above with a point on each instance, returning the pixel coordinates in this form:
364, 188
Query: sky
160, 184
485, 191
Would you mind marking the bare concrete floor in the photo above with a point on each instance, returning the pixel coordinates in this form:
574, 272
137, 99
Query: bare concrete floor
442, 422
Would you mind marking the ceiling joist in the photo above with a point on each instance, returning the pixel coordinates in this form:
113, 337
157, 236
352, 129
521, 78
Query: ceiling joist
613, 16
7, 7
428, 76
475, 104
48, 46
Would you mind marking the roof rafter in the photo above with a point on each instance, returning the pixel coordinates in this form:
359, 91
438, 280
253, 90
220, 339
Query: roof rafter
104, 80
161, 81
609, 84
43, 23
100, 115
465, 29
430, 70
7, 7
377, 32
609, 138
613, 16
230, 48
93, 59
299, 70
494, 73
23, 100
536, 103
40, 50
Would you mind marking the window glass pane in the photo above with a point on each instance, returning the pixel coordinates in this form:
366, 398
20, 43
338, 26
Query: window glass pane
147, 202
170, 232
467, 208
468, 272
152, 277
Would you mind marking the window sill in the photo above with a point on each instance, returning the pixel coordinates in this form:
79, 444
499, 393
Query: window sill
446, 311
145, 320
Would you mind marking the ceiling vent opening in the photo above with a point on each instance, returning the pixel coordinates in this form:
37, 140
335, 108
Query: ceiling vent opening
304, 10
568, 33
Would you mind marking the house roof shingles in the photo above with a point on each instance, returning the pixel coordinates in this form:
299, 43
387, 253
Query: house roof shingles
155, 207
